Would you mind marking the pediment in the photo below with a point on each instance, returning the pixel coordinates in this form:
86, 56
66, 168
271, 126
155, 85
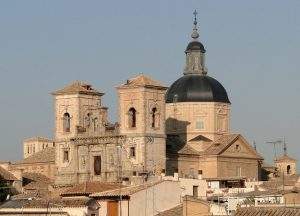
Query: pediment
240, 148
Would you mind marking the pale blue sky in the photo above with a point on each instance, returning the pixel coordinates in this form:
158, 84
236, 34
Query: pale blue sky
252, 49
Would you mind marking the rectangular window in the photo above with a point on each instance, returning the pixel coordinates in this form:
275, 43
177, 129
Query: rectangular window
195, 191
199, 123
239, 171
97, 165
132, 152
66, 156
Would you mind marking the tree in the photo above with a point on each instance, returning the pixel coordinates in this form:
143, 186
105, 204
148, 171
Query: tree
4, 190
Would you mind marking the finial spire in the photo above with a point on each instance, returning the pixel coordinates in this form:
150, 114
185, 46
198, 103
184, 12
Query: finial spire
284, 147
195, 34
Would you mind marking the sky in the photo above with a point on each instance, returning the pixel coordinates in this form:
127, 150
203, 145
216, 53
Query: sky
252, 49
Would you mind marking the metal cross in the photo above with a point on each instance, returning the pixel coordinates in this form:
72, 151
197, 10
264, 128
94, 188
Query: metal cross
195, 17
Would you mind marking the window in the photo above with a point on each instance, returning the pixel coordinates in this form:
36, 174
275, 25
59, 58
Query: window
88, 120
95, 121
66, 122
132, 117
66, 156
288, 169
97, 165
28, 149
199, 123
238, 171
195, 191
132, 152
153, 117
111, 160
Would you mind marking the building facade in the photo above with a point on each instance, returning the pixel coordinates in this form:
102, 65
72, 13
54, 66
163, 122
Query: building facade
182, 129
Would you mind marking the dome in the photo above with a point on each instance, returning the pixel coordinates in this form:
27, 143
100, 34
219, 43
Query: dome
196, 88
195, 45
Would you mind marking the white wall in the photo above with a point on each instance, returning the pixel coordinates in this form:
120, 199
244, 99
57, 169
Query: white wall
154, 199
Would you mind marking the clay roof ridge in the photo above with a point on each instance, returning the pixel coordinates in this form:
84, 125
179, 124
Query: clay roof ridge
5, 174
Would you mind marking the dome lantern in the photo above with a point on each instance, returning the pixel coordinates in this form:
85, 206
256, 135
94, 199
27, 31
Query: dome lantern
195, 53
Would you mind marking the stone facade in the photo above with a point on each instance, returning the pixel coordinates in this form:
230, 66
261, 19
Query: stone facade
35, 144
191, 119
89, 148
286, 165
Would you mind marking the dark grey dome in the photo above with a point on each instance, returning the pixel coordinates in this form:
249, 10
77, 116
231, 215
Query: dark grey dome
195, 45
196, 88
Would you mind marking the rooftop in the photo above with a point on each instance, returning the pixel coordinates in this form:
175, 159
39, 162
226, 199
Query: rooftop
274, 211
46, 155
37, 138
284, 158
125, 191
90, 188
142, 81
6, 175
78, 87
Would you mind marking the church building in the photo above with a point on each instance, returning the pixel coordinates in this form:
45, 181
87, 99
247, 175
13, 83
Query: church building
182, 129
199, 140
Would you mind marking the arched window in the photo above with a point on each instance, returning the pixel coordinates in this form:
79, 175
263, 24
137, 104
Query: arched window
88, 120
66, 122
97, 165
153, 117
132, 117
95, 121
288, 169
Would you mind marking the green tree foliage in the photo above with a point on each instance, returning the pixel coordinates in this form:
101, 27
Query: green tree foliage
4, 190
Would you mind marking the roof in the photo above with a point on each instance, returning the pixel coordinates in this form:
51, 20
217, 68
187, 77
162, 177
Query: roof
78, 87
125, 191
274, 211
224, 142
221, 144
6, 175
37, 138
36, 181
175, 211
200, 138
143, 81
233, 178
89, 188
46, 155
195, 45
44, 203
278, 182
284, 158
196, 88
188, 150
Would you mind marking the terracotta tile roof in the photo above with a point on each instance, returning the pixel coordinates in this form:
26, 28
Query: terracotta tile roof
176, 211
44, 203
6, 175
142, 81
278, 182
78, 87
259, 211
125, 191
45, 156
201, 138
36, 181
188, 150
89, 188
285, 158
221, 144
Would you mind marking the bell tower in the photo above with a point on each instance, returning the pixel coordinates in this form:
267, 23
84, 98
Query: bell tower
141, 118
